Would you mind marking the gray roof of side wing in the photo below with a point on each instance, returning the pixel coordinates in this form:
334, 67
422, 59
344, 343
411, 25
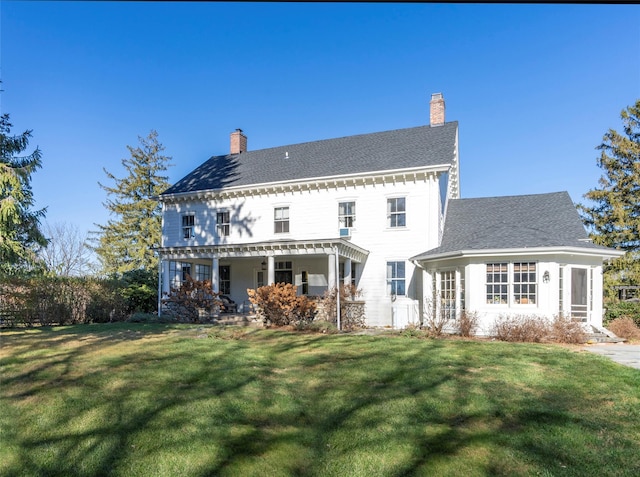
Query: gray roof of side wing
363, 153
512, 222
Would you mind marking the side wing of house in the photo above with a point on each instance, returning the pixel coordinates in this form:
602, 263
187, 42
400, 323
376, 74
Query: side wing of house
519, 255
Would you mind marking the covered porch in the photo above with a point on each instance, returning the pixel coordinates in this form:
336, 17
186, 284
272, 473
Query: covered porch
313, 266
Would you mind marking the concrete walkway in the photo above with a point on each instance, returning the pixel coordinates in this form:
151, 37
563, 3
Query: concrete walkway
626, 354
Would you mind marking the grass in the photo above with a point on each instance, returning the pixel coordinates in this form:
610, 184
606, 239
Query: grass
163, 400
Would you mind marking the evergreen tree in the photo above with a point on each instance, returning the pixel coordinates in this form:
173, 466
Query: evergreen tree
128, 240
614, 218
20, 235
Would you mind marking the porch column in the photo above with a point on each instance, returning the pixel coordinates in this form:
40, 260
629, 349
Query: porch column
215, 277
331, 271
166, 279
347, 272
271, 270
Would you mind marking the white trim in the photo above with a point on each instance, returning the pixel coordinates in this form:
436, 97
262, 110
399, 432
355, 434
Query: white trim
411, 174
503, 252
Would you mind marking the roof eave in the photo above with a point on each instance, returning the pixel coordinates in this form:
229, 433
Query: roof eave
269, 185
605, 253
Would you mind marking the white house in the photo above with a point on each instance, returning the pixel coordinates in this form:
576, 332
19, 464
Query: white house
382, 211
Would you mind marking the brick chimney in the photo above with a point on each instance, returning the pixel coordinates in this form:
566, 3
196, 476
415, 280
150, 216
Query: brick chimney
436, 116
238, 142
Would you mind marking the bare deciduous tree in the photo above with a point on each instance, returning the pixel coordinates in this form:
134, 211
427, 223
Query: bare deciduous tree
67, 253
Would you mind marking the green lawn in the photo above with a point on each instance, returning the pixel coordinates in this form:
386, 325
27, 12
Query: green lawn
161, 400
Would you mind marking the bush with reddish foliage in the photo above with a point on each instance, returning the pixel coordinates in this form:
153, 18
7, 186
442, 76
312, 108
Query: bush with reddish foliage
280, 305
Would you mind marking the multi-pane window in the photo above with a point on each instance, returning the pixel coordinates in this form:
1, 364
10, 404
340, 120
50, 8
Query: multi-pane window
281, 220
188, 225
396, 212
203, 272
304, 282
498, 283
222, 223
224, 279
396, 278
283, 271
524, 283
520, 278
346, 214
448, 294
178, 272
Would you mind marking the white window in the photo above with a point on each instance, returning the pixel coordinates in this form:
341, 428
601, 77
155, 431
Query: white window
346, 214
222, 223
497, 283
281, 220
188, 224
304, 282
448, 294
396, 212
524, 283
396, 278
519, 277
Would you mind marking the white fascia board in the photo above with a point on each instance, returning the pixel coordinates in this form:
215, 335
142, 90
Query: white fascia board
309, 180
587, 252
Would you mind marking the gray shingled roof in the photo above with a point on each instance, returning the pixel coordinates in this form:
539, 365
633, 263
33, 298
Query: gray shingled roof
389, 150
522, 221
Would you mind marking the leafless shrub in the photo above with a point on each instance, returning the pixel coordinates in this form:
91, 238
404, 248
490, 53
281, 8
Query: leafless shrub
467, 324
521, 328
625, 327
565, 330
435, 319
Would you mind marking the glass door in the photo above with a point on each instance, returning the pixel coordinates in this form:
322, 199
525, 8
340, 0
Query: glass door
579, 294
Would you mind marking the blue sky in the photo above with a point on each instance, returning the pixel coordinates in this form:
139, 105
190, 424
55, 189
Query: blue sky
534, 87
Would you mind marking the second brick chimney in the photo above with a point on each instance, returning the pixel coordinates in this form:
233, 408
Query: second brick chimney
238, 142
436, 116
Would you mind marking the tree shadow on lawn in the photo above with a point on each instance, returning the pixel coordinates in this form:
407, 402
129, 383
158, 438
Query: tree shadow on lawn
294, 405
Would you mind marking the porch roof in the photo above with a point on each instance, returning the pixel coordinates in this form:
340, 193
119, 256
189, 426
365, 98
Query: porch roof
272, 248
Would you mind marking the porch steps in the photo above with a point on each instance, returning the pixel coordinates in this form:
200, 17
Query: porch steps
602, 335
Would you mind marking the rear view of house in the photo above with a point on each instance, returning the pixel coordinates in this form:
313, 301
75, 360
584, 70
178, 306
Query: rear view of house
381, 211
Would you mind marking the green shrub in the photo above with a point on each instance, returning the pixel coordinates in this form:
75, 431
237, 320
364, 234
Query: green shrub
623, 309
140, 291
